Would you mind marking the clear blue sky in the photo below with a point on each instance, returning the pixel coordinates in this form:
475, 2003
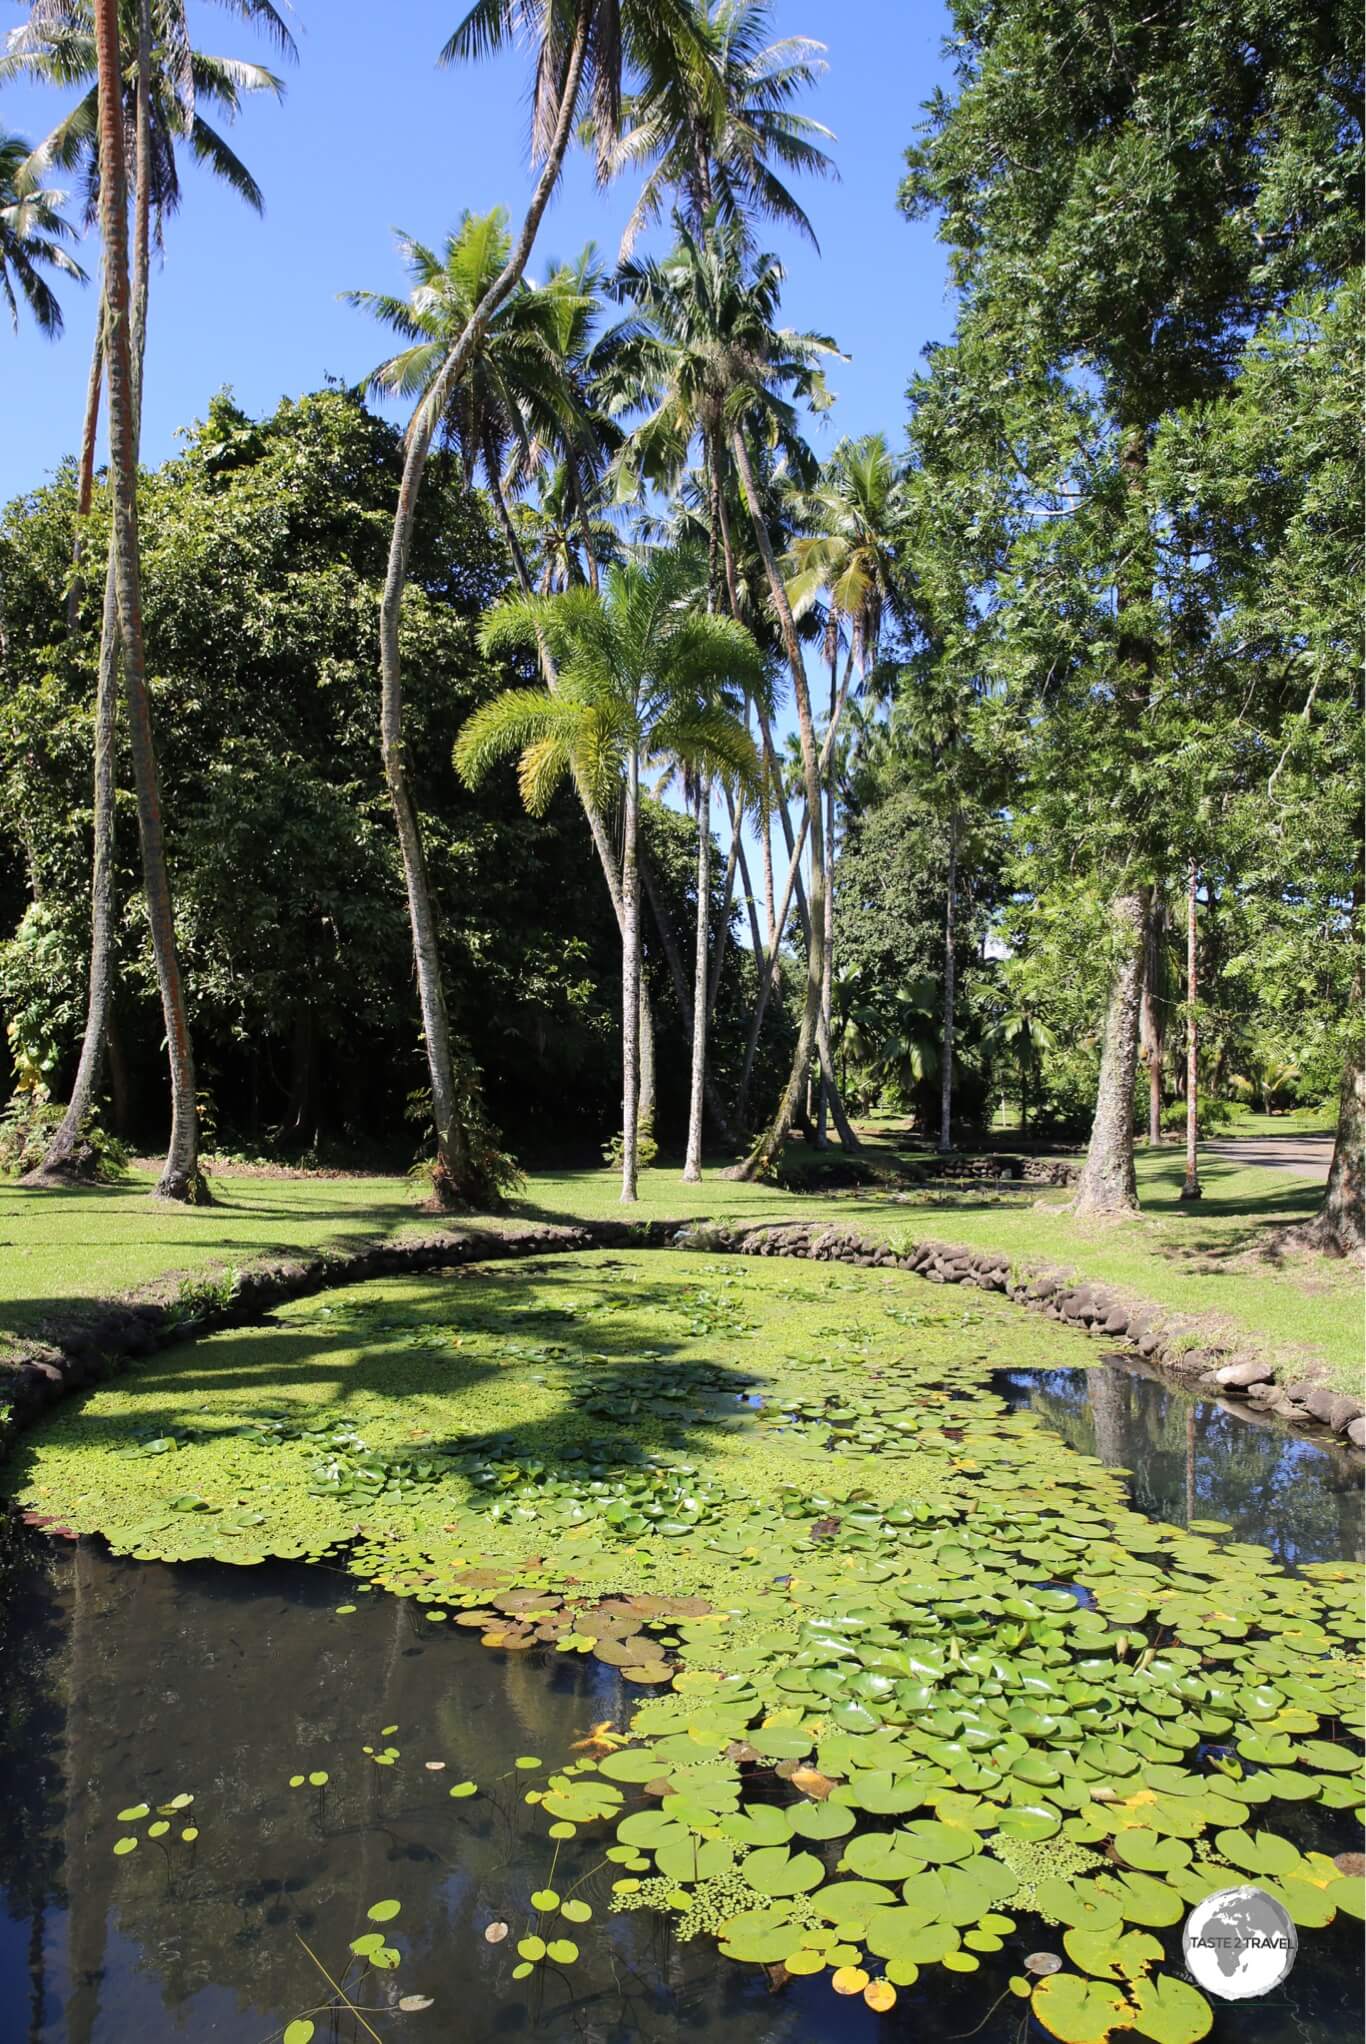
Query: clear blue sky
371, 136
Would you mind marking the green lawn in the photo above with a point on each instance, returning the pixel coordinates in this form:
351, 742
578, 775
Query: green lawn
1219, 1258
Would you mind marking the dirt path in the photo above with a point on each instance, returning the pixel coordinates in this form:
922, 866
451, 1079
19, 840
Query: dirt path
1306, 1156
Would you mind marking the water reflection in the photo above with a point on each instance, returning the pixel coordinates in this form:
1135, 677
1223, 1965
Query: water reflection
1195, 1458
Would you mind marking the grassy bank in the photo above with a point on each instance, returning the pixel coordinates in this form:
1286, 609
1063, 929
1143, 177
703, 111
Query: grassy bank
1221, 1258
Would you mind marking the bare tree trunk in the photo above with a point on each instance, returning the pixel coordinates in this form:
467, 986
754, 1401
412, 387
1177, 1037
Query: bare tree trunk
950, 989
1107, 1184
769, 967
68, 1156
828, 969
769, 922
85, 478
1152, 1029
630, 984
683, 994
458, 1174
692, 1163
1191, 1188
645, 1107
1338, 1225
736, 814
181, 1178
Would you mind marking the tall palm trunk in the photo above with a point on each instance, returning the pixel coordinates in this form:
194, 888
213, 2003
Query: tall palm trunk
1191, 1187
459, 1175
630, 982
692, 1163
1339, 1227
950, 989
828, 972
646, 1100
181, 1177
1152, 1029
85, 475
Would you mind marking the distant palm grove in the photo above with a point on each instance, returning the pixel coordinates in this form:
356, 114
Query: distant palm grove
615, 755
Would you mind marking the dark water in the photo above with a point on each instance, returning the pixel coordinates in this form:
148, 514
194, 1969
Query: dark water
122, 1682
1195, 1458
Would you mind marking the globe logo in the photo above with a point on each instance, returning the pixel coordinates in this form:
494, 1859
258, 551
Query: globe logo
1239, 1943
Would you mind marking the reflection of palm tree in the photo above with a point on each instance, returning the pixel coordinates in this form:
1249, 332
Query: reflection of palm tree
1109, 1388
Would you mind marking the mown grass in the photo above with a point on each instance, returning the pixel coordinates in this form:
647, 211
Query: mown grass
1219, 1258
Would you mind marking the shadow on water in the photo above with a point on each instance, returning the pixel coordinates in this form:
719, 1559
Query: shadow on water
1195, 1458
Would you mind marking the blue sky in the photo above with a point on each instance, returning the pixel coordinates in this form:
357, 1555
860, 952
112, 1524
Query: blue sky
371, 136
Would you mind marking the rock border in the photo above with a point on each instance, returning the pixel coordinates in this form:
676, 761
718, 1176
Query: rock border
37, 1375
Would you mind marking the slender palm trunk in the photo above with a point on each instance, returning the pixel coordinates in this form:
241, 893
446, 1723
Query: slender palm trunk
828, 975
181, 1177
692, 1163
1339, 1227
459, 1176
1107, 1183
1191, 1188
1151, 1029
645, 1105
769, 965
682, 987
630, 983
85, 478
950, 989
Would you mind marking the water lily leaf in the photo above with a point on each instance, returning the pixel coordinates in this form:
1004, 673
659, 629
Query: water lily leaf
760, 1937
699, 1859
1171, 2011
300, 2031
1112, 1955
1145, 1900
1080, 2011
1143, 1849
761, 1824
772, 1870
881, 1856
1079, 1903
383, 1912
928, 1839
849, 1980
1029, 1821
849, 1902
779, 1742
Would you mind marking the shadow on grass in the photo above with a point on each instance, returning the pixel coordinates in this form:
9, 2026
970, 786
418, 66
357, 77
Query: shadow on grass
628, 1394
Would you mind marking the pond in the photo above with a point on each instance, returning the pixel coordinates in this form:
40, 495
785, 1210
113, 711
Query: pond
747, 1594
1195, 1458
126, 1681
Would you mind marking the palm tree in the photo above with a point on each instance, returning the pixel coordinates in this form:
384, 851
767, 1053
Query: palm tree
581, 47
640, 672
162, 82
855, 520
1020, 1030
1191, 1188
711, 361
181, 1177
32, 230
909, 1052
710, 129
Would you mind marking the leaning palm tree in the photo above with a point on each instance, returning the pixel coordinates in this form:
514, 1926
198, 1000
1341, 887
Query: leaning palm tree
162, 83
711, 129
581, 47
640, 671
32, 231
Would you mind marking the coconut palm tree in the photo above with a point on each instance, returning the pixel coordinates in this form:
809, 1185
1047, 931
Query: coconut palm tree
855, 520
708, 131
581, 48
32, 231
712, 361
640, 672
181, 1177
162, 81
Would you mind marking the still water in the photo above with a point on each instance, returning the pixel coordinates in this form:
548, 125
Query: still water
1197, 1458
123, 1682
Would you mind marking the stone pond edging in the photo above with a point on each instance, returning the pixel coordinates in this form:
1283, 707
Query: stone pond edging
35, 1375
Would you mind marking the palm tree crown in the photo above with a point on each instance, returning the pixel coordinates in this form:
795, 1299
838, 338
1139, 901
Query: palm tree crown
855, 519
32, 230
711, 126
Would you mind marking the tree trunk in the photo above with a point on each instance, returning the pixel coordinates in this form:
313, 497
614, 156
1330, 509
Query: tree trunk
630, 984
1152, 1031
950, 973
68, 1156
458, 1175
683, 994
692, 1163
645, 1106
1191, 1188
769, 966
181, 1177
1338, 1226
828, 968
85, 477
1107, 1184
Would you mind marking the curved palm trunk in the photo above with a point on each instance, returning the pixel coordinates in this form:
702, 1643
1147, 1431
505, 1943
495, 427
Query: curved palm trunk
459, 1175
630, 983
950, 990
1107, 1184
85, 477
701, 1005
1191, 1188
180, 1178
